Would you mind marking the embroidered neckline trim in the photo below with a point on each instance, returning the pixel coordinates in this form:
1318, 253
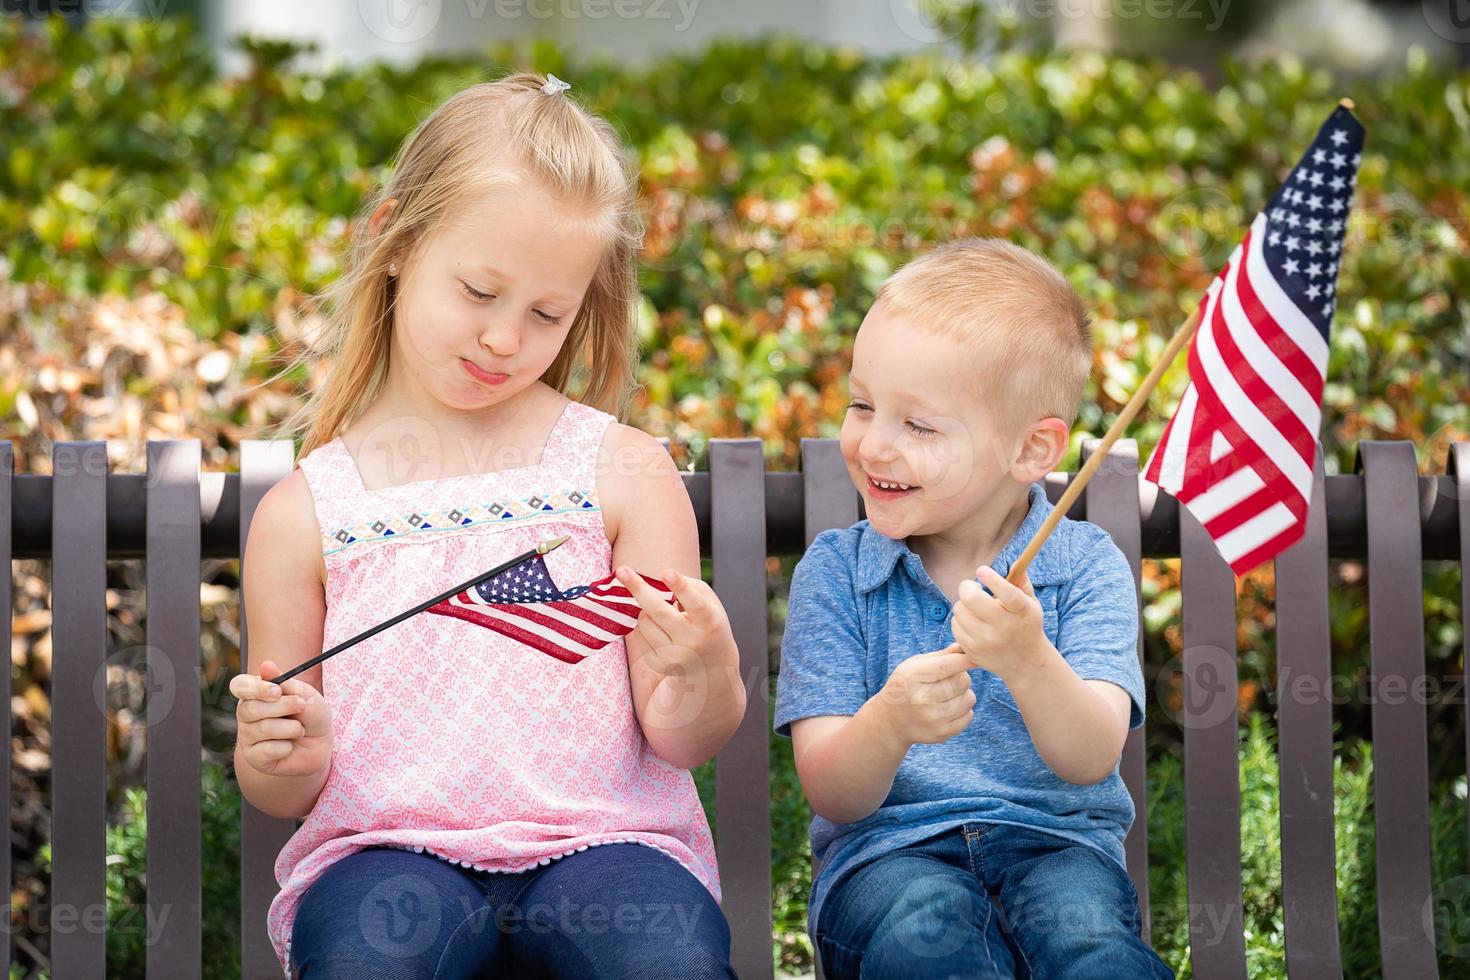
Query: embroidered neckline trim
453, 518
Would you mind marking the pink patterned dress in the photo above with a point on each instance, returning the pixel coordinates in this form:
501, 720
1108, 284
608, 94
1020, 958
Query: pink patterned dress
451, 738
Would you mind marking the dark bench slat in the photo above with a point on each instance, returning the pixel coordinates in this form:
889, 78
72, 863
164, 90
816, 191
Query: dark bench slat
1396, 634
1112, 499
1458, 468
78, 924
174, 732
7, 467
1211, 760
828, 497
1304, 745
743, 768
263, 463
828, 500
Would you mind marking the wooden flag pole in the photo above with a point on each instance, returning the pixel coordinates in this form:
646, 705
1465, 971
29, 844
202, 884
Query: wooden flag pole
1181, 337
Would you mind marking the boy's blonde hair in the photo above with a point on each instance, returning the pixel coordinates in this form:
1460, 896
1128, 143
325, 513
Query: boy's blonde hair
1031, 334
481, 137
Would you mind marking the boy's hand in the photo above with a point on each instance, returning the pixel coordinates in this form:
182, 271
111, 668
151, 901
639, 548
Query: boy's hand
1001, 632
928, 697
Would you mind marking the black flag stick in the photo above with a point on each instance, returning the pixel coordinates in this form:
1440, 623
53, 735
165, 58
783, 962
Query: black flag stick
540, 549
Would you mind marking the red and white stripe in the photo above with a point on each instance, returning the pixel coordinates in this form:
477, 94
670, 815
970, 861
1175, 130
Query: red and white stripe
1239, 450
567, 629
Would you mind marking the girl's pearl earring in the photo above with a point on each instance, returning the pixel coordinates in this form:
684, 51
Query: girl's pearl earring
392, 268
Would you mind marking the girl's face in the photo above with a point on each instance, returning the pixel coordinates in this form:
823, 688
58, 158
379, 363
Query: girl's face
485, 303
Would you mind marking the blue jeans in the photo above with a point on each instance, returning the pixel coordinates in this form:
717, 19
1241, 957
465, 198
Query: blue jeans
615, 910
1060, 910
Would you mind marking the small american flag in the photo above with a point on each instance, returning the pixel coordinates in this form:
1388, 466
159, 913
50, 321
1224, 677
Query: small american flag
523, 603
1240, 448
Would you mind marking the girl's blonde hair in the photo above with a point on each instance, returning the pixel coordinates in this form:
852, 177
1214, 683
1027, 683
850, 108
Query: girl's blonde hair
478, 138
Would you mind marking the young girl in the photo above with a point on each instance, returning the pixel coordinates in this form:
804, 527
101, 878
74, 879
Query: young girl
474, 806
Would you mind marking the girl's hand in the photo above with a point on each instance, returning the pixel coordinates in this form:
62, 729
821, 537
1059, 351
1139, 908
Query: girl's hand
284, 730
691, 640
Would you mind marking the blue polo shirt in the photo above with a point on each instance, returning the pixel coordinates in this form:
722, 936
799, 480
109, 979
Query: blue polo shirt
861, 603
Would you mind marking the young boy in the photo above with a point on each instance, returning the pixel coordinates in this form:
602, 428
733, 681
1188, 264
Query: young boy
957, 738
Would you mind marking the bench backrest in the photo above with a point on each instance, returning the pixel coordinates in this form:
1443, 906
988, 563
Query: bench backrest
174, 515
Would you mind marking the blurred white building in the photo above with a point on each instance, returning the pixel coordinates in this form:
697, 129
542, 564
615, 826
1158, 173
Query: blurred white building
402, 31
1350, 34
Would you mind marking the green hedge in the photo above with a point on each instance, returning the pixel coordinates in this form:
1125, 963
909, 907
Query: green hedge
786, 180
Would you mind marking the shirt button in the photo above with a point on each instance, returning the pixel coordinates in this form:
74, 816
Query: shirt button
938, 611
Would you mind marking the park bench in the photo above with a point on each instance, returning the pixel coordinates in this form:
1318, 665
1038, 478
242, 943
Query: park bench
173, 515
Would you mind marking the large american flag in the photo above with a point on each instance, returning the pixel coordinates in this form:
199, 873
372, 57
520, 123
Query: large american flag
523, 603
1240, 448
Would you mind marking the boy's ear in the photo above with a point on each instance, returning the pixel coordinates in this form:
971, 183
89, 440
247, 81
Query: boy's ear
1045, 443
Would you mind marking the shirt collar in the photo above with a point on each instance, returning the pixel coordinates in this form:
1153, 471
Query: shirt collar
878, 554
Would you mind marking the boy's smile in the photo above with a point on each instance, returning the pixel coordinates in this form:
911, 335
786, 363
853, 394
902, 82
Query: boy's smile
884, 490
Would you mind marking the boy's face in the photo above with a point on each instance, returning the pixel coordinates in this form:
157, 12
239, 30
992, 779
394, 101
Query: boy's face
916, 418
